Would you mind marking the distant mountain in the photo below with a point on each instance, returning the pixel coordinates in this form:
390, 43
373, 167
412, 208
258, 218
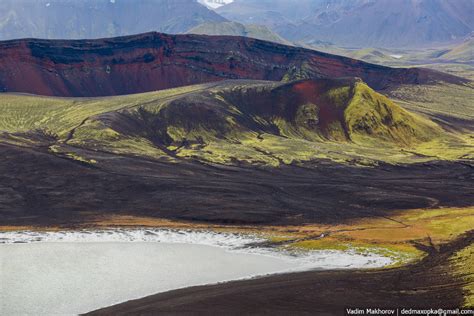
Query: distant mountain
237, 29
360, 23
155, 61
72, 19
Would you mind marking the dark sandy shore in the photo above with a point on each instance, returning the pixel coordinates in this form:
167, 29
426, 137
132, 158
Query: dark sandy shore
428, 283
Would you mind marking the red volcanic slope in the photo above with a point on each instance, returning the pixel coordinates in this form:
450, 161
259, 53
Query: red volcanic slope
154, 61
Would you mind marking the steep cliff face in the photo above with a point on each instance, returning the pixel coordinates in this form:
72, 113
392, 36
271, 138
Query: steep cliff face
154, 61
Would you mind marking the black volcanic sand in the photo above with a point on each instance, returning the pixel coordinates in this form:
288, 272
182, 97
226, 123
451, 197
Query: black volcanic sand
426, 284
39, 188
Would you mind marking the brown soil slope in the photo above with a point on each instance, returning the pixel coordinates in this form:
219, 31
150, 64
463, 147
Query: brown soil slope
154, 61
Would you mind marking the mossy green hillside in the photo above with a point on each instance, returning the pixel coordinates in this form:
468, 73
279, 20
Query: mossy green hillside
23, 113
264, 123
27, 120
370, 114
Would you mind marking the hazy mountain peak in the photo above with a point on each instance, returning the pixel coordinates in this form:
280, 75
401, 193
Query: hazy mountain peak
71, 19
359, 23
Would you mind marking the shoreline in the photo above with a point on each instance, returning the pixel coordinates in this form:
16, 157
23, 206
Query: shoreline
422, 284
238, 244
235, 242
405, 281
402, 237
405, 236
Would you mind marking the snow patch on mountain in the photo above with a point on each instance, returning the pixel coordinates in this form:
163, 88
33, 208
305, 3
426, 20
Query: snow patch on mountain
214, 4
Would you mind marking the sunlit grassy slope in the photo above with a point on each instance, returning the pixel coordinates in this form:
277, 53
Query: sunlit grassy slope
22, 113
25, 117
230, 122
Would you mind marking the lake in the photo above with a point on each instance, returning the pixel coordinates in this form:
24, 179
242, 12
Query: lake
77, 272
